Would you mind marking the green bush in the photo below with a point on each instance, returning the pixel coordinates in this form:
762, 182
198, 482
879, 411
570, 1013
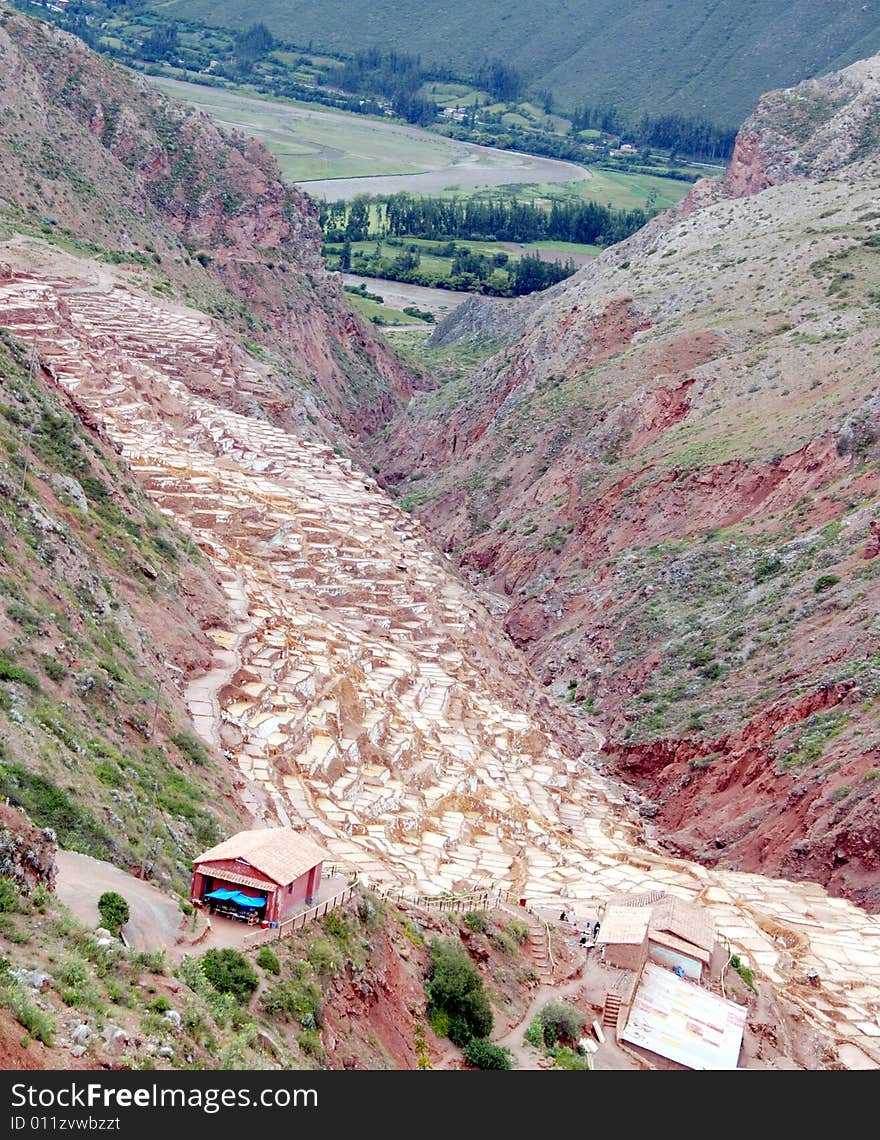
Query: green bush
268, 960
324, 957
825, 582
455, 988
566, 1058
295, 1000
478, 921
482, 1054
310, 1042
151, 960
519, 931
336, 925
745, 972
8, 895
535, 1033
190, 747
9, 671
37, 1022
113, 910
561, 1022
53, 668
229, 972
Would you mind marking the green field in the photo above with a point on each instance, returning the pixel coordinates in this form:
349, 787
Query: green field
312, 143
607, 187
380, 314
322, 143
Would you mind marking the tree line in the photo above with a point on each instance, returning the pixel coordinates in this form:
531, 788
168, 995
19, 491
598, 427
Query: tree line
480, 219
694, 137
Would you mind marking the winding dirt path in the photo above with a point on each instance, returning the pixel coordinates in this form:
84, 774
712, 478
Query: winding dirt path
155, 917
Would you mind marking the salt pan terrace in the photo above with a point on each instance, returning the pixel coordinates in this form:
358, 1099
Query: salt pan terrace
364, 691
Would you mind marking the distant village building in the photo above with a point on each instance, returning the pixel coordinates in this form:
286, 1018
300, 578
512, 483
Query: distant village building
264, 875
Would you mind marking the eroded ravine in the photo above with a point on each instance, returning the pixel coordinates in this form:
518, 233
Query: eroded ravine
363, 690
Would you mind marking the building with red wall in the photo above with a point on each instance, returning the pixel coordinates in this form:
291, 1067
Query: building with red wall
275, 864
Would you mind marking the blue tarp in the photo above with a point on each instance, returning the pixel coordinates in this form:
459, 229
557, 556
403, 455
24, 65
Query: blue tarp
244, 900
236, 897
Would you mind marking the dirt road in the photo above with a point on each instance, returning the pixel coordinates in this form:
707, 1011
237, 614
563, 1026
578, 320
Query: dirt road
155, 917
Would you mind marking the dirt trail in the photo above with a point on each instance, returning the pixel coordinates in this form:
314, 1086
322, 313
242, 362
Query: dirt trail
155, 917
525, 1056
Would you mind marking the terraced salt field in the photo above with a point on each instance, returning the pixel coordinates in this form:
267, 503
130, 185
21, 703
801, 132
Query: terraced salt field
363, 691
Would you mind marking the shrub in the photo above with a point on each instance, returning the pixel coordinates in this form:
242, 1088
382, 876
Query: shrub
369, 910
8, 895
482, 1054
295, 1000
113, 910
745, 972
37, 1022
9, 671
535, 1033
53, 668
454, 987
229, 972
566, 1058
519, 931
40, 897
151, 960
324, 957
478, 921
825, 582
336, 925
268, 960
76, 986
310, 1042
190, 747
561, 1022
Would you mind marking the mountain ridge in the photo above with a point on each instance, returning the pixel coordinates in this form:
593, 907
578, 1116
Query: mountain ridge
696, 59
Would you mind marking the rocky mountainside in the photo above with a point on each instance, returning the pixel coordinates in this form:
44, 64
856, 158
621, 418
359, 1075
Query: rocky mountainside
212, 618
669, 476
94, 154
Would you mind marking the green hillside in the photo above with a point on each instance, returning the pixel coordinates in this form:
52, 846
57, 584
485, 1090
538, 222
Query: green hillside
701, 57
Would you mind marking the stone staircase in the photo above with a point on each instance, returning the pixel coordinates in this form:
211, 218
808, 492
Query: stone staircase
611, 1012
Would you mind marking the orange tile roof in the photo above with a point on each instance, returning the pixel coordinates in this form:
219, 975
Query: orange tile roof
278, 852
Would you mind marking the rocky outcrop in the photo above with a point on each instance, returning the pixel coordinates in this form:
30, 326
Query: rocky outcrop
27, 853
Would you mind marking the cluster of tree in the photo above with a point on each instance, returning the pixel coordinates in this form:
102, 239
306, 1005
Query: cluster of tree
678, 134
396, 76
470, 271
503, 82
253, 44
498, 219
162, 43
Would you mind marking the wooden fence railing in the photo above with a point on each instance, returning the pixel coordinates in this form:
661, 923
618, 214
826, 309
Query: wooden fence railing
298, 921
481, 899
